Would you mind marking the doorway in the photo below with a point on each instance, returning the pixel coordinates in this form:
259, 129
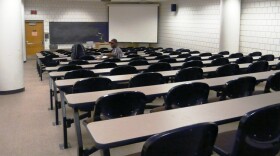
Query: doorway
34, 37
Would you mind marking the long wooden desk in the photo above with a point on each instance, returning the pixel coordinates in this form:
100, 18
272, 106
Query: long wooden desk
112, 133
77, 101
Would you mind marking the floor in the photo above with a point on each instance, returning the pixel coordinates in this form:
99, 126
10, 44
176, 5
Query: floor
26, 123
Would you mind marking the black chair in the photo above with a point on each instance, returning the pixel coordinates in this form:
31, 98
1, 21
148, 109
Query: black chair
162, 66
273, 82
268, 57
162, 57
138, 58
259, 66
174, 53
81, 73
112, 60
194, 52
236, 55
277, 67
156, 54
138, 63
69, 67
245, 59
105, 65
121, 104
205, 54
257, 134
183, 50
224, 53
257, 53
185, 95
215, 56
219, 62
227, 70
183, 55
197, 139
198, 58
168, 49
132, 55
87, 57
194, 63
123, 70
78, 62
168, 60
188, 74
244, 86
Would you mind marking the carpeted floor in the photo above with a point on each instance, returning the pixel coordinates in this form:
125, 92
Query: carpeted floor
26, 123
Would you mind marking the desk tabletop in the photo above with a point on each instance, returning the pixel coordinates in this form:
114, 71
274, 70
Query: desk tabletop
127, 77
117, 132
76, 100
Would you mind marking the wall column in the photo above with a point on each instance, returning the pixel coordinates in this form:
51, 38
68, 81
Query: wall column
230, 25
11, 47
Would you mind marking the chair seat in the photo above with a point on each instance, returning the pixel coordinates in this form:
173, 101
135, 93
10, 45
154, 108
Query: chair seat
224, 142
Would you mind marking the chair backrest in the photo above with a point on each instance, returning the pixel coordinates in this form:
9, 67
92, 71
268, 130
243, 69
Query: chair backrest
273, 82
82, 73
268, 57
146, 79
194, 63
183, 50
259, 66
92, 84
78, 62
257, 53
156, 54
236, 55
183, 55
123, 70
78, 50
194, 140
138, 63
219, 61
112, 60
121, 104
245, 59
48, 62
87, 57
193, 58
258, 133
162, 57
174, 53
244, 86
188, 74
224, 53
215, 56
168, 60
187, 95
69, 67
278, 66
205, 54
105, 65
194, 52
227, 70
161, 66
138, 58
133, 55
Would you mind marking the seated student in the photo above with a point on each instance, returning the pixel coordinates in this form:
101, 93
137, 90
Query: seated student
116, 51
78, 50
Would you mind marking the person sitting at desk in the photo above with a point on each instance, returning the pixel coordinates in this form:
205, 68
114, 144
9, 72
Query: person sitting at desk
78, 50
116, 51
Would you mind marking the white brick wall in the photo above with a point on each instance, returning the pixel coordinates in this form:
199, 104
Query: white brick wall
196, 25
66, 11
260, 26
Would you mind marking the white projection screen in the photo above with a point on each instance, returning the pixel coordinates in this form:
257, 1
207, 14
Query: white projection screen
133, 22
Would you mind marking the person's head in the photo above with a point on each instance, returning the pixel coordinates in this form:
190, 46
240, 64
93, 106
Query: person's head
114, 43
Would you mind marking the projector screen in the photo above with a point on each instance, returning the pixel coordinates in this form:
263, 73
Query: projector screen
133, 22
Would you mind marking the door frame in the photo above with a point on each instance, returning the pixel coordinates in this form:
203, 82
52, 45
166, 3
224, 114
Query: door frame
25, 21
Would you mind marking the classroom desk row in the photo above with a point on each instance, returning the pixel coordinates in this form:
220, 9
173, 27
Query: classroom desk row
173, 65
77, 101
123, 131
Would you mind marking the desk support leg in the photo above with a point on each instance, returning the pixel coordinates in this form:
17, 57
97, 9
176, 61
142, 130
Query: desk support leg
51, 94
63, 108
105, 152
78, 132
56, 105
